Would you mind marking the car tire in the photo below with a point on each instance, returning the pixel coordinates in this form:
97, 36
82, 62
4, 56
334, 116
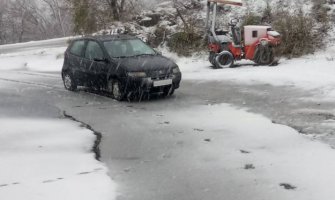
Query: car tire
116, 89
169, 91
69, 82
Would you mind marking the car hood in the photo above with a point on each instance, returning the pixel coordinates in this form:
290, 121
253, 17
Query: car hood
146, 63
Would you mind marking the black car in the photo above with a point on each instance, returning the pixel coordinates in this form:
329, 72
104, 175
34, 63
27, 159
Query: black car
119, 64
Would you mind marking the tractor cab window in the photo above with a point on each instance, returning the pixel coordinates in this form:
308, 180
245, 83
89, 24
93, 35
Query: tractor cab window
254, 34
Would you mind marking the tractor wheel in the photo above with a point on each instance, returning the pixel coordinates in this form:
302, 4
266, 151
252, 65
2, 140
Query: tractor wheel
264, 55
275, 57
224, 59
211, 59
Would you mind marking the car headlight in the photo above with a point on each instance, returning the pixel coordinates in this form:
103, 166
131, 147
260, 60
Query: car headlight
137, 74
175, 70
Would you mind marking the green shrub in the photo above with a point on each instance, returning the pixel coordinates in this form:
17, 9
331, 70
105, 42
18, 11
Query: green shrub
158, 37
251, 19
185, 43
301, 33
298, 37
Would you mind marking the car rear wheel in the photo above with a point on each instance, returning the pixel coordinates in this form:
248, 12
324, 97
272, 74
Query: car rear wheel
116, 89
69, 82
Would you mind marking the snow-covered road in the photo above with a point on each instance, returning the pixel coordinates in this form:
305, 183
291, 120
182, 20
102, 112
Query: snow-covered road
190, 146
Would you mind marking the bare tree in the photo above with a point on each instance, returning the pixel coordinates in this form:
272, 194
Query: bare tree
116, 8
59, 11
185, 11
23, 20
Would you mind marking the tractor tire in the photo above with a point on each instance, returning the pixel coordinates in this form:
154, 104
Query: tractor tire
264, 55
211, 59
224, 59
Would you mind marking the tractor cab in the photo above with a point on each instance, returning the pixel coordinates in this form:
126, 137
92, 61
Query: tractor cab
254, 43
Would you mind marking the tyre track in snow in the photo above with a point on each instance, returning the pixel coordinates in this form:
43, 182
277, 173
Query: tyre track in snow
41, 74
42, 80
31, 83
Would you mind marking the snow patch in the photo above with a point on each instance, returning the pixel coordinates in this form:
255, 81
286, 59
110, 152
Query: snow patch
43, 60
45, 159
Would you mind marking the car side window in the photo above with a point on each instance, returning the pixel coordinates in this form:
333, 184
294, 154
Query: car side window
77, 47
93, 50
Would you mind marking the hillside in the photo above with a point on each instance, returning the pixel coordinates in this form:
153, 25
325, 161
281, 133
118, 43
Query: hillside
180, 24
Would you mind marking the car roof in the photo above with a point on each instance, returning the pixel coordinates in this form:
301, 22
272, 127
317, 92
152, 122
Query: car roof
103, 38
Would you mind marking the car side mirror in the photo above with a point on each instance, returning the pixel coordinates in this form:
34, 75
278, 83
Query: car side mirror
105, 60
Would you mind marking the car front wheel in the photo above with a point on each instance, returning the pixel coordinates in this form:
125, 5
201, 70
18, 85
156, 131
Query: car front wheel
168, 91
116, 89
69, 82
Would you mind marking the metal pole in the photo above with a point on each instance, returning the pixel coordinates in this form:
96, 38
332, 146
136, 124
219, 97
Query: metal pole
214, 22
207, 18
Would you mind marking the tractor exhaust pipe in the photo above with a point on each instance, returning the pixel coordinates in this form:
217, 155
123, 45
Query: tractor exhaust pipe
207, 19
213, 22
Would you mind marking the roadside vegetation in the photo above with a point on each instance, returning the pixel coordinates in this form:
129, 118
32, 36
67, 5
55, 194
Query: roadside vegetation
176, 24
303, 31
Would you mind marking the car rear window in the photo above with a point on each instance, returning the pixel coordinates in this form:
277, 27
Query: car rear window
77, 47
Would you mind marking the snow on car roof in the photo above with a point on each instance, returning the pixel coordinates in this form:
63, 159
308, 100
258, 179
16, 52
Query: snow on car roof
232, 2
110, 37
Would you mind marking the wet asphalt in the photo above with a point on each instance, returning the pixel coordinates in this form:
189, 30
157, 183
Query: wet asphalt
148, 157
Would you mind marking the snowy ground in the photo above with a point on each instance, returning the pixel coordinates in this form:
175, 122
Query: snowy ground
314, 73
243, 155
253, 156
45, 159
41, 60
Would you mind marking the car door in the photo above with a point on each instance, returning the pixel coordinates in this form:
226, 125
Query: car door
95, 64
75, 61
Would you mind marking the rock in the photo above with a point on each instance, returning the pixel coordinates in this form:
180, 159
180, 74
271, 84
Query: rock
245, 152
150, 20
288, 186
249, 166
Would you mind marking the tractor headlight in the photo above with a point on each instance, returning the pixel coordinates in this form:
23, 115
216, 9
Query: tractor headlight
176, 70
264, 42
137, 74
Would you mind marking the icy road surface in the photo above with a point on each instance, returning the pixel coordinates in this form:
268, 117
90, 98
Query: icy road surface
200, 143
189, 146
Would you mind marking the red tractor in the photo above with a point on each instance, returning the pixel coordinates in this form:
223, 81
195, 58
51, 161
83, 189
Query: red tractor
256, 43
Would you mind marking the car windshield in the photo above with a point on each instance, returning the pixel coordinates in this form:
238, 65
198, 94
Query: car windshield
127, 48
